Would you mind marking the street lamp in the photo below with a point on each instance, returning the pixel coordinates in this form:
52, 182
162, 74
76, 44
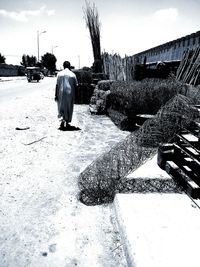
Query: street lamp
53, 48
79, 60
38, 43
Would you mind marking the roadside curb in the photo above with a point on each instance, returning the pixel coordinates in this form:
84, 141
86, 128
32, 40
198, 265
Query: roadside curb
13, 78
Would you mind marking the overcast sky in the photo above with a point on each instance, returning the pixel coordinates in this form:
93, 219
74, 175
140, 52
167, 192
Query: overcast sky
127, 27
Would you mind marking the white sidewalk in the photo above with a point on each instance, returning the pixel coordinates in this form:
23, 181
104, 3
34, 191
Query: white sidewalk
158, 230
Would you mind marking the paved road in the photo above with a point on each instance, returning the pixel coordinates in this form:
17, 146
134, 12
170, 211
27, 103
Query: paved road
10, 89
42, 223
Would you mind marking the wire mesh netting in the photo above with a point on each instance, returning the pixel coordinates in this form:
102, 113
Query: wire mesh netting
145, 185
176, 114
97, 183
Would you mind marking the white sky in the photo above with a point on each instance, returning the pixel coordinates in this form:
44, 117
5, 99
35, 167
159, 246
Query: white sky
127, 27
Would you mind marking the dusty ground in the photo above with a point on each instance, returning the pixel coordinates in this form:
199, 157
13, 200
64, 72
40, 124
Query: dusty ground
41, 221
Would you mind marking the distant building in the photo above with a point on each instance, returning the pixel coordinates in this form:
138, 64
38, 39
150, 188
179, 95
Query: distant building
7, 70
170, 51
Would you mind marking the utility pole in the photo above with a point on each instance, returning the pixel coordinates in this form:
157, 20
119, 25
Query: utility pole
38, 43
79, 61
52, 48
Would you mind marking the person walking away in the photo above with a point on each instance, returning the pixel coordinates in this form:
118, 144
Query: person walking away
65, 95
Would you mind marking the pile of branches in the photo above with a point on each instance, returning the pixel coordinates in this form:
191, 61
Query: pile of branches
143, 97
85, 89
178, 113
100, 98
120, 69
189, 68
127, 99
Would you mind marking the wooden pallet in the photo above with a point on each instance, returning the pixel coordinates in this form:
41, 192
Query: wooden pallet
181, 159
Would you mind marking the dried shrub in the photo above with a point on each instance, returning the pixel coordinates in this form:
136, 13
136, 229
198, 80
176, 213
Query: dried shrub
99, 76
85, 88
105, 85
83, 76
143, 97
120, 120
99, 101
83, 93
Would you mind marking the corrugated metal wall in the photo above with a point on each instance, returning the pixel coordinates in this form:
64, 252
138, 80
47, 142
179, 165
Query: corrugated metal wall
172, 50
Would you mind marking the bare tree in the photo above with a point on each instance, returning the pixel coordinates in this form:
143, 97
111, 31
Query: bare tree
93, 24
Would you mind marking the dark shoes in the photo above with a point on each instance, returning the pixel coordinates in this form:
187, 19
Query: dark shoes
68, 127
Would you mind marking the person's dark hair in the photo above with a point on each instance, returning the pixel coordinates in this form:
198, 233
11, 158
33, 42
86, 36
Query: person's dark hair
67, 64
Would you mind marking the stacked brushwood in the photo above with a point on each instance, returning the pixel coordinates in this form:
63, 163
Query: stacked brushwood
118, 68
113, 66
99, 101
85, 88
189, 68
128, 99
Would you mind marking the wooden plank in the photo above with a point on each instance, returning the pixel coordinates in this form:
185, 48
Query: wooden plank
190, 166
187, 151
194, 145
182, 160
165, 152
186, 182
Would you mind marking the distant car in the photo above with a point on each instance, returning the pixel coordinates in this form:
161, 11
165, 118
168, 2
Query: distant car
41, 75
33, 74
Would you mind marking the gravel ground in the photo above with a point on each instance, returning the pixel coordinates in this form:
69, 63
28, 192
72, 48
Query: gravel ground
42, 223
